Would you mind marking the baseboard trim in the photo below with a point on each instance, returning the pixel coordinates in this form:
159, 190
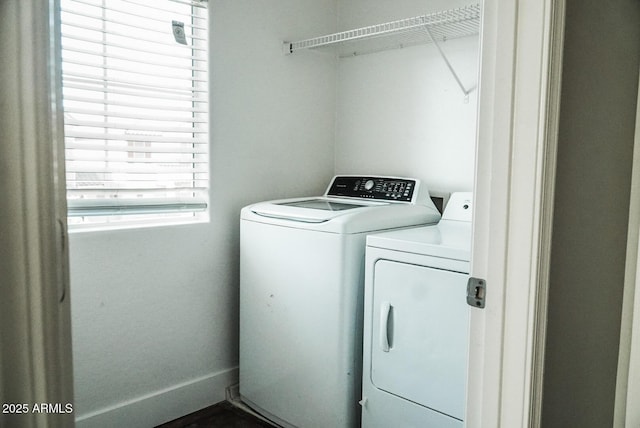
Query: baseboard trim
163, 405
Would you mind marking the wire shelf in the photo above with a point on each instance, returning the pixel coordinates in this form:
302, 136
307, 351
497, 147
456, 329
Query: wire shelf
439, 26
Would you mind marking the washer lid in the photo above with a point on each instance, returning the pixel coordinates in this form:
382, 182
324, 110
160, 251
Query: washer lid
323, 204
336, 215
309, 210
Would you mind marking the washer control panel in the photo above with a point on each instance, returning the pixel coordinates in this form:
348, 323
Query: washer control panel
380, 188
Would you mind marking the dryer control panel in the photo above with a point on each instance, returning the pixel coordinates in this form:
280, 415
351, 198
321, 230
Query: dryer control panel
380, 188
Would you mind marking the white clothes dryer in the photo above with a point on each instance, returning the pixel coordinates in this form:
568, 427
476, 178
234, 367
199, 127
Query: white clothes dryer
416, 323
301, 290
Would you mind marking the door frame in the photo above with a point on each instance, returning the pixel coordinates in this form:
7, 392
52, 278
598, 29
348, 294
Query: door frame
628, 378
519, 106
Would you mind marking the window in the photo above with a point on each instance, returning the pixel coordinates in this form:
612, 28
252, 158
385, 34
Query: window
135, 91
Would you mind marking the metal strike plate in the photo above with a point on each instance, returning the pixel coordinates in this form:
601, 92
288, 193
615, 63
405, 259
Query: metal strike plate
476, 292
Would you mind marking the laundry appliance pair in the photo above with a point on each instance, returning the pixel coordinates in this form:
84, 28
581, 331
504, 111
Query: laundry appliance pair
302, 293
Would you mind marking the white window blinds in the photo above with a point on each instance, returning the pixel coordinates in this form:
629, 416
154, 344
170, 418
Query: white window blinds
135, 106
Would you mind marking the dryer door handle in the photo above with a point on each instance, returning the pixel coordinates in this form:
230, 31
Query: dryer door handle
386, 324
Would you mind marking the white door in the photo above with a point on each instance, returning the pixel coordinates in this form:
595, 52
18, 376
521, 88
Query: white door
420, 334
35, 329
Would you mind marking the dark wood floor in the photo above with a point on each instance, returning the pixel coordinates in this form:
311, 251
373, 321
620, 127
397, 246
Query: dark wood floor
222, 415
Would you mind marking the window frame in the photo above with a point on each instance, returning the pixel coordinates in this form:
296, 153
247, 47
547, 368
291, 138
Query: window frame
112, 207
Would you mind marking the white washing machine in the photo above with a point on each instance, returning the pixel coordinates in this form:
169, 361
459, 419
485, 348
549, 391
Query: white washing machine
416, 323
301, 290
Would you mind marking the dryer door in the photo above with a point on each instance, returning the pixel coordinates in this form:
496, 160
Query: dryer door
420, 335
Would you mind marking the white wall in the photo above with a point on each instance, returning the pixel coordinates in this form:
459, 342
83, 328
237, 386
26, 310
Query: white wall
155, 311
400, 112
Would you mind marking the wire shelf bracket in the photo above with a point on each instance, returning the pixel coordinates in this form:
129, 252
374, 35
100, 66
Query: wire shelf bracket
464, 90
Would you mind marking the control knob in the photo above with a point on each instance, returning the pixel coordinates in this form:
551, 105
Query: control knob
368, 185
